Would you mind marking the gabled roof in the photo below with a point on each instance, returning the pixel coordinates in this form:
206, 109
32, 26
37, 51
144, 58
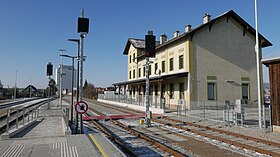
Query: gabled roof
137, 43
229, 14
32, 88
140, 43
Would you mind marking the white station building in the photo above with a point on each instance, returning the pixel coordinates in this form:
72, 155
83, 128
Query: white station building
66, 78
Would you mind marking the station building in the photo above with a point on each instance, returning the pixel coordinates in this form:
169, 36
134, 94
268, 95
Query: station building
66, 78
213, 62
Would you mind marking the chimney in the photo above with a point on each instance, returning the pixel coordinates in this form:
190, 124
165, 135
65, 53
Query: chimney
188, 28
206, 18
162, 39
176, 33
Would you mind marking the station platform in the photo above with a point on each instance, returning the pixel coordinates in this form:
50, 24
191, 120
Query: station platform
48, 136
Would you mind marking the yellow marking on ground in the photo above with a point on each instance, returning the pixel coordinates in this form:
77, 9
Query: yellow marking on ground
98, 146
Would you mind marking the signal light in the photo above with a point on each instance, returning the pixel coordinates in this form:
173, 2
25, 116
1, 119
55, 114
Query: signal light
49, 69
150, 45
83, 24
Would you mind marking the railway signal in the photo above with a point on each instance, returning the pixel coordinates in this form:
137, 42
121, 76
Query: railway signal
49, 69
49, 74
150, 48
150, 44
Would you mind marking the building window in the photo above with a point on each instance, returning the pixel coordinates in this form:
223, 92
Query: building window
134, 73
150, 90
139, 72
181, 62
156, 89
211, 91
171, 87
156, 67
129, 74
181, 90
171, 64
129, 58
144, 71
133, 59
133, 90
245, 91
163, 66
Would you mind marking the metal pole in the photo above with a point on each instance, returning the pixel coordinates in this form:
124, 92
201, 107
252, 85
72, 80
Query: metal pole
49, 92
72, 96
257, 49
78, 89
81, 59
23, 115
147, 120
15, 91
17, 119
60, 80
8, 117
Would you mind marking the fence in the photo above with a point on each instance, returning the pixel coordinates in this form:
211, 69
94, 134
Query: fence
155, 101
19, 116
231, 113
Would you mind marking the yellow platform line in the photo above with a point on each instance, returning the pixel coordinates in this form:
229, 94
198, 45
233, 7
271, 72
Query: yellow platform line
98, 145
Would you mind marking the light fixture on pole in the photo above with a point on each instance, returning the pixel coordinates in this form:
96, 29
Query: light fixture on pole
72, 85
78, 69
60, 78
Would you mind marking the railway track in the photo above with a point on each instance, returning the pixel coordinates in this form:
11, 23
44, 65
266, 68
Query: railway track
133, 142
248, 143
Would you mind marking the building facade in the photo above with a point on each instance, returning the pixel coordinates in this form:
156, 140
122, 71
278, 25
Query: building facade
213, 62
66, 78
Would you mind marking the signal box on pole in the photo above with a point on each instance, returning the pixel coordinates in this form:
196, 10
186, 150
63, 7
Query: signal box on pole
150, 45
49, 69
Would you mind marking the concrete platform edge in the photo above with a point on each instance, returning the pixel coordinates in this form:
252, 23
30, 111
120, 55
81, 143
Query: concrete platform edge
113, 145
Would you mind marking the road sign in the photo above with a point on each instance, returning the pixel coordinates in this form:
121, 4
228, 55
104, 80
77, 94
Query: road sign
81, 107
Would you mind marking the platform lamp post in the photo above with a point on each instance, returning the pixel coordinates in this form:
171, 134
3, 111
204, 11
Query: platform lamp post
77, 89
72, 85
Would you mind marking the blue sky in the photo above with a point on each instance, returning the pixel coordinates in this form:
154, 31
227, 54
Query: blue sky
32, 31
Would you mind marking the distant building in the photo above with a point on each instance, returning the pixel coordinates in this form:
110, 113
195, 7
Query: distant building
213, 62
66, 78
